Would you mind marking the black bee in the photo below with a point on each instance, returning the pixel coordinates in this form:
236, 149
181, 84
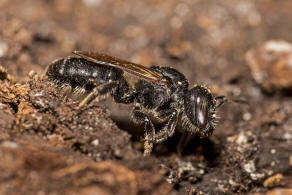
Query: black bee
161, 93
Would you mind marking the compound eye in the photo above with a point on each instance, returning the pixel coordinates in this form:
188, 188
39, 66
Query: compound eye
201, 111
198, 103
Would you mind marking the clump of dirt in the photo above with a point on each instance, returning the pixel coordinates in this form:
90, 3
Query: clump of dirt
31, 165
270, 65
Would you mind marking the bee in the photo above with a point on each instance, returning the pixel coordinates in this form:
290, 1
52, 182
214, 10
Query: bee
160, 93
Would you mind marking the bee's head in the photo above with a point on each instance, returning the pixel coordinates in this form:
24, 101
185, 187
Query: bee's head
200, 111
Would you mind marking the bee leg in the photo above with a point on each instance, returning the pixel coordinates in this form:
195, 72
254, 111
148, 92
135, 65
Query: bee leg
97, 91
169, 129
183, 142
123, 93
140, 117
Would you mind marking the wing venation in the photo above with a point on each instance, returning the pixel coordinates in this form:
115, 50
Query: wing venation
132, 68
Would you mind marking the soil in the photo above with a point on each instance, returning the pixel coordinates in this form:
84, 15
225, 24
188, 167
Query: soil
50, 146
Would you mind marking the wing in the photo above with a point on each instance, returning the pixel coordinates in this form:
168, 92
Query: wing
132, 68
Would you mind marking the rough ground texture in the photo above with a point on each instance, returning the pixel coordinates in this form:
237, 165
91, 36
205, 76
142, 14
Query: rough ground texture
49, 146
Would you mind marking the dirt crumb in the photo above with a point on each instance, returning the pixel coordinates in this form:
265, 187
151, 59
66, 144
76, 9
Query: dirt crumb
273, 180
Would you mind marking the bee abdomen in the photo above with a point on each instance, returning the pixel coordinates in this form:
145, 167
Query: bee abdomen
81, 73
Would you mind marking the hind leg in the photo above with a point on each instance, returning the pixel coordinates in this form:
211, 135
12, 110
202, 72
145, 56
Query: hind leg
100, 90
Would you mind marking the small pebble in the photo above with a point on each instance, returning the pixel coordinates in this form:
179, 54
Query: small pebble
3, 48
95, 142
93, 3
247, 116
273, 180
271, 65
9, 144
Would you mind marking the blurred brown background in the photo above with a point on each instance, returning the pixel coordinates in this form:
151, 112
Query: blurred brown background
207, 40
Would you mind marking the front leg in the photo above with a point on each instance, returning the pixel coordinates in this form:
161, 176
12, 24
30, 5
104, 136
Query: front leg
140, 117
169, 129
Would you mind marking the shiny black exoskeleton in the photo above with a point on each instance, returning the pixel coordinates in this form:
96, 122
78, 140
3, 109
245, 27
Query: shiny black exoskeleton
80, 76
161, 93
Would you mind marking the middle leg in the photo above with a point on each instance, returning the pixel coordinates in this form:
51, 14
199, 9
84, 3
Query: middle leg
140, 117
